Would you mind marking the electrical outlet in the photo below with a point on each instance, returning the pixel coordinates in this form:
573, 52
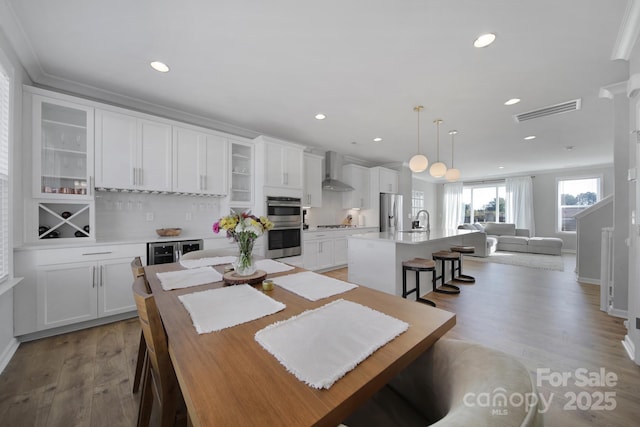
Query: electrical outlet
149, 216
188, 216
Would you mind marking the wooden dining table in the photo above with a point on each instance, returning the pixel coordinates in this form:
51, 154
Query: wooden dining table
229, 379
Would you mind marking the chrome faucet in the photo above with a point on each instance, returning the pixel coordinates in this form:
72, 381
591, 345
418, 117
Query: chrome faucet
416, 222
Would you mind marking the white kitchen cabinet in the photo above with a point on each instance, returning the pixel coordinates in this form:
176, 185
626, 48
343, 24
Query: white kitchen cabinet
312, 196
283, 164
388, 180
68, 286
241, 174
340, 251
357, 177
132, 153
62, 134
318, 253
199, 162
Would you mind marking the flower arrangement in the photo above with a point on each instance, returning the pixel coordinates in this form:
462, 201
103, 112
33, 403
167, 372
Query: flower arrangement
244, 228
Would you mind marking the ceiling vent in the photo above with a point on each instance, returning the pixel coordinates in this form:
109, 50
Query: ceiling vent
564, 107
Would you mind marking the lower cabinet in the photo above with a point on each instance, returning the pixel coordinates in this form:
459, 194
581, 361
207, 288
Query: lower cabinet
60, 288
327, 249
318, 254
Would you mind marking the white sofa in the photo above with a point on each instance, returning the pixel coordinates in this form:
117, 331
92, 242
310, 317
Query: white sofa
506, 237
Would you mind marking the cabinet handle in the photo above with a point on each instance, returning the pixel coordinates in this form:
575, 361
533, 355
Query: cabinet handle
93, 277
135, 175
361, 201
97, 253
141, 180
101, 275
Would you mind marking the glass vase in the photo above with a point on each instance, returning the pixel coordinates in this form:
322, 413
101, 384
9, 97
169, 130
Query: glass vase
244, 265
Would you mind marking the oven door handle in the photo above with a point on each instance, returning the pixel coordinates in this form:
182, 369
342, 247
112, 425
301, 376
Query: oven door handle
285, 228
285, 204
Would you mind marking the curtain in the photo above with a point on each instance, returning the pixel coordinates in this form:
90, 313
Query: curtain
453, 207
519, 207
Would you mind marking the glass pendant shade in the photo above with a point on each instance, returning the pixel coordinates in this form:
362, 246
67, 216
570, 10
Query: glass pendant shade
452, 174
418, 163
438, 169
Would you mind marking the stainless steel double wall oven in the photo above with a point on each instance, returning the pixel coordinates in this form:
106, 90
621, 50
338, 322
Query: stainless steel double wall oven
284, 239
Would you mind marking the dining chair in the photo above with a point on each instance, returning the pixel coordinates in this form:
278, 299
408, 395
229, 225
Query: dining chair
138, 271
206, 253
160, 383
445, 387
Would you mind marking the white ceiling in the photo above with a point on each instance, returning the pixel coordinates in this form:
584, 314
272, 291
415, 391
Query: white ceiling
270, 66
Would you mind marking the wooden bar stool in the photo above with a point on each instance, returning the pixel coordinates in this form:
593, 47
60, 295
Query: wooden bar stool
463, 250
444, 256
417, 265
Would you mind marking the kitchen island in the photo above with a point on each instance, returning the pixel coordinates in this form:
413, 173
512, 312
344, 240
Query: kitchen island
375, 259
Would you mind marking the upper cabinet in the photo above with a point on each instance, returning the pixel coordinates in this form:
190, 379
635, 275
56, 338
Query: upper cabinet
312, 196
199, 162
357, 177
241, 188
132, 153
62, 134
283, 163
388, 179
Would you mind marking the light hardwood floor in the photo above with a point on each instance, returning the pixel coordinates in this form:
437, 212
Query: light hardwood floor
544, 318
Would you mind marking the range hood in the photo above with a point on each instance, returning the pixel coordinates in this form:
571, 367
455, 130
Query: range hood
333, 170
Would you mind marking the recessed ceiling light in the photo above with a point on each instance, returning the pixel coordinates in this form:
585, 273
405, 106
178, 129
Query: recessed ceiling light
512, 101
500, 167
160, 66
484, 40
529, 138
320, 116
354, 142
377, 139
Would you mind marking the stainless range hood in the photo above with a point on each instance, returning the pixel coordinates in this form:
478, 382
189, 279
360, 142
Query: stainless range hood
333, 170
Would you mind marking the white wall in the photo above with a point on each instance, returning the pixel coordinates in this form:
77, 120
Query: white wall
332, 212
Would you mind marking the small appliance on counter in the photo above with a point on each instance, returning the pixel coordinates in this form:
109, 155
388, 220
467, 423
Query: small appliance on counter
305, 226
166, 252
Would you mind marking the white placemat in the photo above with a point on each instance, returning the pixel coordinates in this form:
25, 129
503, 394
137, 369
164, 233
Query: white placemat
186, 278
320, 346
313, 286
203, 262
270, 266
217, 309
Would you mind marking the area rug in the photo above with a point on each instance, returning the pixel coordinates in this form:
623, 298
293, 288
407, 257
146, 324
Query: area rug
545, 262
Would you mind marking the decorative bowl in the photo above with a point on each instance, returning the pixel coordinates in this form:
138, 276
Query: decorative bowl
166, 232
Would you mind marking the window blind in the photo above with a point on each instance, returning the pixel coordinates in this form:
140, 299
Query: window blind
4, 174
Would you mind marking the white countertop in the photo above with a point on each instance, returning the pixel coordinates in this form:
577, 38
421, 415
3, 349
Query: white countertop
412, 237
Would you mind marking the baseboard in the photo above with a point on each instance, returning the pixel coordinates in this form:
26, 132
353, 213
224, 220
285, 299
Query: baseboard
8, 353
588, 280
616, 312
630, 347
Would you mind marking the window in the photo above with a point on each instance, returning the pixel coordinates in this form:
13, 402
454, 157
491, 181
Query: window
417, 202
4, 175
574, 196
484, 203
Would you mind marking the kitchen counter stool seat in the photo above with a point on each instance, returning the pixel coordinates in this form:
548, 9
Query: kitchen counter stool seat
445, 256
463, 250
418, 265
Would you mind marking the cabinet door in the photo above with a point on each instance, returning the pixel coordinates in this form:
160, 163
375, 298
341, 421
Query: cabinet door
187, 174
312, 182
358, 178
63, 146
214, 168
325, 253
154, 156
114, 287
274, 168
388, 181
115, 150
310, 255
67, 294
241, 177
340, 251
292, 167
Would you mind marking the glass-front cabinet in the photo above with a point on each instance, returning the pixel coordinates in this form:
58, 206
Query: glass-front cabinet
62, 149
241, 191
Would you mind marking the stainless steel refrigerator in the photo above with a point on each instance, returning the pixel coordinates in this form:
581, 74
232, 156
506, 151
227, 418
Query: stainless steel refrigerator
390, 212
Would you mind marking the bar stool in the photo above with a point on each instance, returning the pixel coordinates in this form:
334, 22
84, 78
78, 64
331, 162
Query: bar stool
443, 256
417, 265
463, 250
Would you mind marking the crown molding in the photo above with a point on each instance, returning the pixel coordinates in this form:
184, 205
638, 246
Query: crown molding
628, 32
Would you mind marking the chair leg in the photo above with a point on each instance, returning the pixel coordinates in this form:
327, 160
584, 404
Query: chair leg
142, 358
146, 398
463, 277
418, 297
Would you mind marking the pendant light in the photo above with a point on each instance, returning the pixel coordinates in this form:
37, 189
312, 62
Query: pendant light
418, 162
452, 174
438, 169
